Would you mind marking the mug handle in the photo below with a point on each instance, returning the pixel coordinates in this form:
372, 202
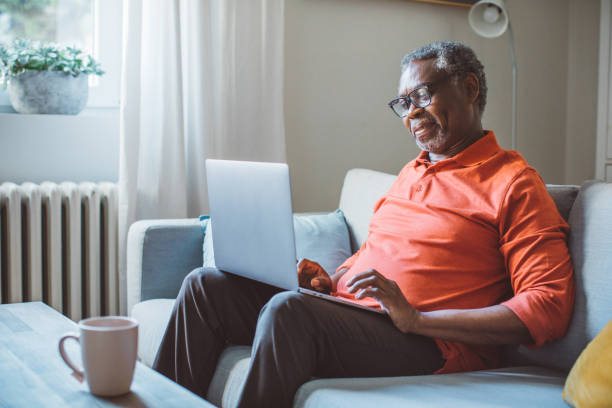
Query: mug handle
76, 373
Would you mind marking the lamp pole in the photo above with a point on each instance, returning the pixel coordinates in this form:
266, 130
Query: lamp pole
489, 19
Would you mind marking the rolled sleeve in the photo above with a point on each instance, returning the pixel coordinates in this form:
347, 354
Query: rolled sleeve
534, 245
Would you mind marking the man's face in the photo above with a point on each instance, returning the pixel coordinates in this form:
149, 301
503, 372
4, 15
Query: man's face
443, 124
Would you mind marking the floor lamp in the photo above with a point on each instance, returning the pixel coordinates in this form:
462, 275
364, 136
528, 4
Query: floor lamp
489, 19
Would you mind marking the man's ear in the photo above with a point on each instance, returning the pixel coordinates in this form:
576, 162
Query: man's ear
472, 86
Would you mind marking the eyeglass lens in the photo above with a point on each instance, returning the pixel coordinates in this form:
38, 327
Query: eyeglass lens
419, 97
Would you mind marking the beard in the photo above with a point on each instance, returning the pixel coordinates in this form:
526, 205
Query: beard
434, 139
434, 142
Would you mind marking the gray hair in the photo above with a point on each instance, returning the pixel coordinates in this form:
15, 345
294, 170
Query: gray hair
453, 58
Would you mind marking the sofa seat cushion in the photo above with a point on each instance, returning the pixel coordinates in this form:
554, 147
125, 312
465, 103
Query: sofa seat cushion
152, 316
226, 384
508, 387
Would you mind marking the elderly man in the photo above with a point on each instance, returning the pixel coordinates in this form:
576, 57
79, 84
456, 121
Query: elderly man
466, 252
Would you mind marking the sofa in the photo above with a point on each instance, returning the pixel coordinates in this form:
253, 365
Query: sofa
162, 252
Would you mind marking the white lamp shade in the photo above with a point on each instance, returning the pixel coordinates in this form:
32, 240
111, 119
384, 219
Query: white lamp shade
489, 18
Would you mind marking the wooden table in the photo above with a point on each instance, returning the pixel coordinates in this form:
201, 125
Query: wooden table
32, 374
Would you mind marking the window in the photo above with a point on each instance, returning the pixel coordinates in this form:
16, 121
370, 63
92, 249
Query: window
92, 25
61, 21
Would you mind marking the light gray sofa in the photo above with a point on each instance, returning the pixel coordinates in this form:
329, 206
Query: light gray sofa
162, 252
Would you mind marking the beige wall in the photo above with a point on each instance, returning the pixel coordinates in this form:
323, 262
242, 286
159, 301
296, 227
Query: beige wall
342, 66
582, 73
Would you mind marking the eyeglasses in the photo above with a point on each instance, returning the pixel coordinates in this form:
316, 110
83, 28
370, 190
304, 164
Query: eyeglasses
419, 97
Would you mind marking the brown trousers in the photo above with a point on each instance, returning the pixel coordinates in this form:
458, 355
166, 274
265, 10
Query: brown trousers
294, 338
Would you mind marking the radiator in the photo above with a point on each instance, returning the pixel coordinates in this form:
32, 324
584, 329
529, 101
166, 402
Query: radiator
58, 244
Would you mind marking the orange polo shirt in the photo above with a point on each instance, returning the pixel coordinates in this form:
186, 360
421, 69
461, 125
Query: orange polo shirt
475, 230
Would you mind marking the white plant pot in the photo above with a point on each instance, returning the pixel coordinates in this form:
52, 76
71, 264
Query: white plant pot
49, 92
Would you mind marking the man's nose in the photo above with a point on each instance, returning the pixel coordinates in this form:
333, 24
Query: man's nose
413, 112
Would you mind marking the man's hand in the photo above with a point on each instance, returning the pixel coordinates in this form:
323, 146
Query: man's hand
391, 299
312, 276
488, 325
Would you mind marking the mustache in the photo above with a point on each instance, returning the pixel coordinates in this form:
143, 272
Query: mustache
422, 119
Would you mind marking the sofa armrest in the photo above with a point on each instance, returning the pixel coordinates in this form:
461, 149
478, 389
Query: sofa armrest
160, 253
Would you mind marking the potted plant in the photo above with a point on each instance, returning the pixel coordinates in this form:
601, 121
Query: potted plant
46, 78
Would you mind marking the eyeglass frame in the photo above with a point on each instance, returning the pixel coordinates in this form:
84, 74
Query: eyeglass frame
408, 99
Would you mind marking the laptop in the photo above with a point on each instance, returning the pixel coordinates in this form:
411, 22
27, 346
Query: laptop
251, 213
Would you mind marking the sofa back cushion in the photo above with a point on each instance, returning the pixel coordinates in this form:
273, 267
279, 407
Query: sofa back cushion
564, 197
589, 214
590, 244
319, 237
362, 188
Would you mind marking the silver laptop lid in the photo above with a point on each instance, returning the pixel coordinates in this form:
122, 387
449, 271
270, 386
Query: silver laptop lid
252, 219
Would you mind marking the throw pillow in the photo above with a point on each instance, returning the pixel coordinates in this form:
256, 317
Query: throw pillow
323, 238
589, 383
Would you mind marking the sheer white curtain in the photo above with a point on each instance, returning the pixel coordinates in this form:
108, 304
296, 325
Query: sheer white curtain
201, 79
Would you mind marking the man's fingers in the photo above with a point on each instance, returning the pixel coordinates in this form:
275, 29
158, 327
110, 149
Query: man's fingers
308, 271
368, 292
378, 295
362, 275
359, 276
372, 280
363, 283
311, 267
321, 284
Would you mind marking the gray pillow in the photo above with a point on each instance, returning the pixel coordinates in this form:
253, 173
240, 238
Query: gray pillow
323, 238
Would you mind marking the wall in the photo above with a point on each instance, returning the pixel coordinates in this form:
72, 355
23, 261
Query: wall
60, 148
582, 66
342, 67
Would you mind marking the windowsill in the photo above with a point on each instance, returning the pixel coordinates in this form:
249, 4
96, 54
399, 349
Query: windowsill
7, 109
37, 148
94, 112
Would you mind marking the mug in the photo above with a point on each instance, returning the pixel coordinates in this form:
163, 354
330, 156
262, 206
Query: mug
109, 348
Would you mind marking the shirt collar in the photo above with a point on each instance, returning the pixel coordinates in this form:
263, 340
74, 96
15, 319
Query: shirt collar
476, 153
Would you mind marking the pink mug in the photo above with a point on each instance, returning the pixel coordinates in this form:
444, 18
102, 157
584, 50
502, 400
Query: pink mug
109, 348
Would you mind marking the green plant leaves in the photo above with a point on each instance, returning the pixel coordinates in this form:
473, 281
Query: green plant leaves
22, 55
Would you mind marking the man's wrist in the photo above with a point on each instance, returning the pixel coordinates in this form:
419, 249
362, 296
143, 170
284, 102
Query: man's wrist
336, 277
419, 321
